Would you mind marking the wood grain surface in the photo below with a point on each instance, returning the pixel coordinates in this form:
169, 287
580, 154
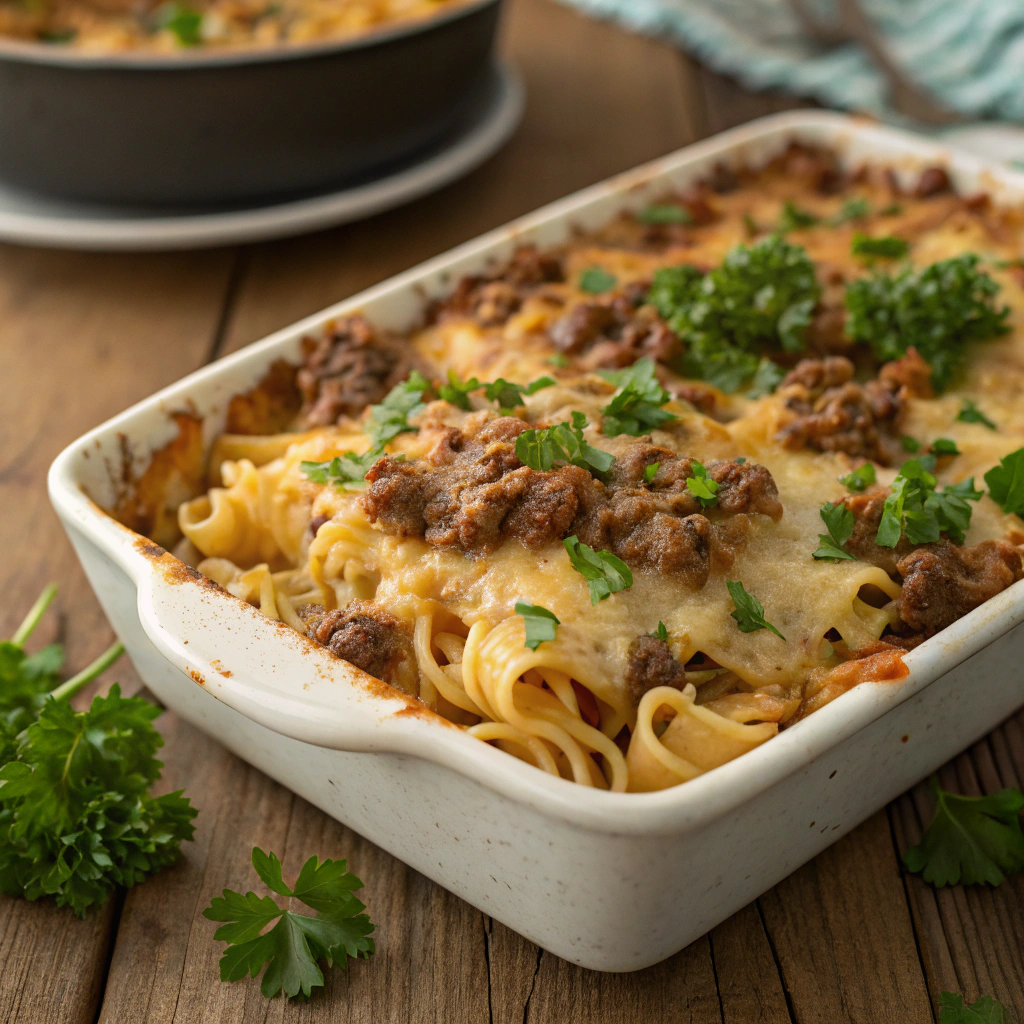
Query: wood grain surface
848, 937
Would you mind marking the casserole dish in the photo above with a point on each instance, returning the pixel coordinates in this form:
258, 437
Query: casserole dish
520, 845
230, 127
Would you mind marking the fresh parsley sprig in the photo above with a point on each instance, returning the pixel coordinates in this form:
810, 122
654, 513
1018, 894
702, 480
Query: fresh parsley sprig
937, 310
291, 949
597, 281
605, 574
971, 839
986, 1010
507, 394
860, 479
761, 296
346, 471
970, 413
794, 217
701, 486
391, 417
562, 443
76, 818
888, 247
541, 625
857, 208
915, 508
665, 213
1006, 482
839, 522
749, 612
635, 407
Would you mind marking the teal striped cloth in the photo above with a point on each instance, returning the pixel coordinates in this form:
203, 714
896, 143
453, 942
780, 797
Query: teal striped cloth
967, 54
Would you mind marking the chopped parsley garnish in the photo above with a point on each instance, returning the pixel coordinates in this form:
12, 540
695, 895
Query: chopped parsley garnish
970, 413
665, 213
661, 632
793, 218
944, 446
651, 471
838, 520
635, 406
291, 949
741, 460
564, 442
456, 392
749, 612
910, 444
971, 840
768, 377
595, 280
936, 310
889, 247
57, 36
860, 479
391, 417
541, 625
559, 360
605, 574
761, 296
952, 1010
751, 226
892, 210
915, 508
701, 486
343, 470
509, 395
182, 21
853, 209
1006, 482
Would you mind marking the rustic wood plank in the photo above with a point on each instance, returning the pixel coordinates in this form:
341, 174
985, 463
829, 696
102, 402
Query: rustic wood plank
599, 101
83, 336
842, 933
971, 937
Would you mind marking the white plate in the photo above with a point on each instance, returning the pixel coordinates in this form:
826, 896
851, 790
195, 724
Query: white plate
34, 220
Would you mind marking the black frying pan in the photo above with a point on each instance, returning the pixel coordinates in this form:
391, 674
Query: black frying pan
216, 128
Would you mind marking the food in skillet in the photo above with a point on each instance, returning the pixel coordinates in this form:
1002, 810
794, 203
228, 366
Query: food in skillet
113, 25
628, 507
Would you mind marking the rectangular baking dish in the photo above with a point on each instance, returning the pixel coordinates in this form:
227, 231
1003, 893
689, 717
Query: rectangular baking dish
614, 882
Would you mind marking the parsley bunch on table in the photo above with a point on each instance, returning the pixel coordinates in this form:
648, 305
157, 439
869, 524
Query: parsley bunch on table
76, 817
761, 297
291, 949
937, 310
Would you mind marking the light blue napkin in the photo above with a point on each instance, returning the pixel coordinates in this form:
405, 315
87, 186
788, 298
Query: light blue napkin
967, 54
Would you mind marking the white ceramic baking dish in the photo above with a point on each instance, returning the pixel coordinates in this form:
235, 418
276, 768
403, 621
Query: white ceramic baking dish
614, 882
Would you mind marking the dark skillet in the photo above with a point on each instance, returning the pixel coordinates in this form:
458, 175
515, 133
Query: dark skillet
219, 128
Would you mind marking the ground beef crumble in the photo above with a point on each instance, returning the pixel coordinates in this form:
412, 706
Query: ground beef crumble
351, 366
364, 635
472, 492
649, 663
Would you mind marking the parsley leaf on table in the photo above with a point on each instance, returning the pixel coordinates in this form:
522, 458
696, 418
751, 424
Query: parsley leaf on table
914, 507
1006, 482
970, 413
665, 213
391, 417
76, 819
860, 479
761, 296
972, 839
605, 574
596, 281
749, 612
540, 624
986, 1010
701, 486
564, 442
635, 406
838, 520
343, 470
292, 948
936, 310
887, 246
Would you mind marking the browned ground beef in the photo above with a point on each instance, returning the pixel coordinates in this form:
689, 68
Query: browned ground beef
867, 515
833, 413
942, 582
471, 492
492, 300
818, 169
649, 663
350, 367
932, 182
363, 634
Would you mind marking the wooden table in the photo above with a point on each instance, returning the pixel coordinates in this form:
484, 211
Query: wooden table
848, 937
